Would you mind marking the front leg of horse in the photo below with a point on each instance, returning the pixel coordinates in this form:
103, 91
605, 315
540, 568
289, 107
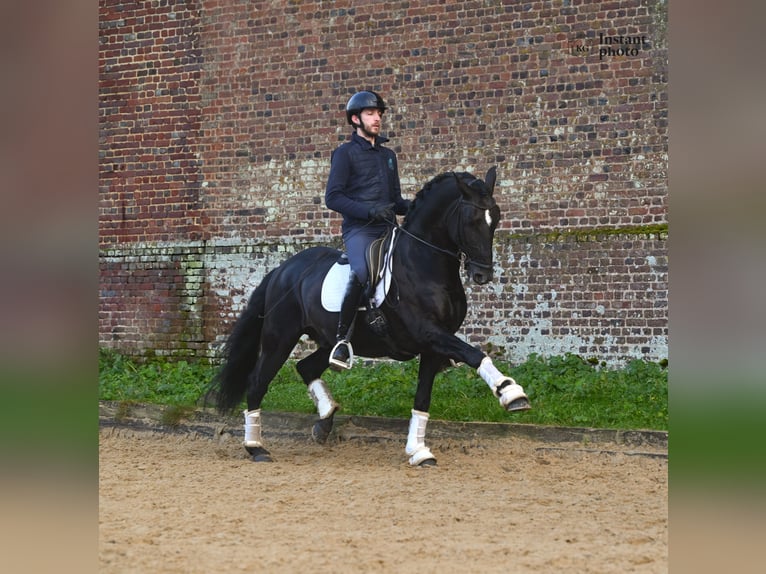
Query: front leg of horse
510, 394
416, 449
508, 391
419, 454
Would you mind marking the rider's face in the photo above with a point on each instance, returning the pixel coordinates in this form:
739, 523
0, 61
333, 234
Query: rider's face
371, 119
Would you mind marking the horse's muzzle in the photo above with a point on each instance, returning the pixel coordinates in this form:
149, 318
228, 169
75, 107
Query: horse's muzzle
480, 274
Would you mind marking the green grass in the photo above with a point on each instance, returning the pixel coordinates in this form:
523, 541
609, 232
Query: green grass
565, 390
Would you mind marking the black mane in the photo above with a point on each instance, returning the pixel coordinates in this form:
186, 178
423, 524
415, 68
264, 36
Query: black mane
420, 196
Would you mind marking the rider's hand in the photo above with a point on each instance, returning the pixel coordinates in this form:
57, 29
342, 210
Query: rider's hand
382, 213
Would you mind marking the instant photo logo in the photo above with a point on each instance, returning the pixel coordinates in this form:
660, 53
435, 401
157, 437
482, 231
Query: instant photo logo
607, 47
579, 46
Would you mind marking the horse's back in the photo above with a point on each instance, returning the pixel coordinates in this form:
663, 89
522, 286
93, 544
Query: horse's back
319, 256
293, 298
308, 265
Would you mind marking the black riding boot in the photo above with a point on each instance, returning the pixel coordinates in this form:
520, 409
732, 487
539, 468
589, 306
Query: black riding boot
342, 355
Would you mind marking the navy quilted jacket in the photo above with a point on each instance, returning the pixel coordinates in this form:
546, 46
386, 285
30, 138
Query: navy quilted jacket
363, 176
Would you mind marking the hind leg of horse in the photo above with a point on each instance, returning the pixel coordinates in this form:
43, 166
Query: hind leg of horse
416, 449
271, 359
310, 369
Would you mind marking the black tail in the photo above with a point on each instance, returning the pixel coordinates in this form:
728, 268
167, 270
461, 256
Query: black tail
240, 352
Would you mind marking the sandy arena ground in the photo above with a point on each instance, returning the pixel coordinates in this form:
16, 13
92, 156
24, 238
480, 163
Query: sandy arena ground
188, 503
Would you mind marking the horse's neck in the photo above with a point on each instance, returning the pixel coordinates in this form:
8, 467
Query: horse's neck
431, 226
430, 246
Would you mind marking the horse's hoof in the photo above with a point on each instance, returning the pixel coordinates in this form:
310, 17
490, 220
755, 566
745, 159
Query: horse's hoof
321, 430
319, 434
520, 404
422, 457
259, 454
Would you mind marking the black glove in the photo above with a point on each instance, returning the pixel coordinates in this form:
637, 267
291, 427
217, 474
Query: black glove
382, 213
404, 207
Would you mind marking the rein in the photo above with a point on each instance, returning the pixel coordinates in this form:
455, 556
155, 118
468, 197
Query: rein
456, 255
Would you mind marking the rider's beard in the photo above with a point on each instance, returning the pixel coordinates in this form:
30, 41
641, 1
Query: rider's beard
367, 132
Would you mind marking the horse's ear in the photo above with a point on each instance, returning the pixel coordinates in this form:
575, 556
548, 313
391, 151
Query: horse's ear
489, 180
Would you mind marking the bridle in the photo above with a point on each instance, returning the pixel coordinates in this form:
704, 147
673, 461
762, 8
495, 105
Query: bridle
461, 254
460, 227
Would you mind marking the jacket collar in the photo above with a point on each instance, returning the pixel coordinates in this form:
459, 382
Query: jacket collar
379, 139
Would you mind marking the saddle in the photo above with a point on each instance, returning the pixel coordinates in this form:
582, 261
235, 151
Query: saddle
376, 259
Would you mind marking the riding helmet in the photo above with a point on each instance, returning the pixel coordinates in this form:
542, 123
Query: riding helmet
362, 100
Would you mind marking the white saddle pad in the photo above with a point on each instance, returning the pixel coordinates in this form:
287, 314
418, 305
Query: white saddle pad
335, 283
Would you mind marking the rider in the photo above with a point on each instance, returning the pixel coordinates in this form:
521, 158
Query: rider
363, 186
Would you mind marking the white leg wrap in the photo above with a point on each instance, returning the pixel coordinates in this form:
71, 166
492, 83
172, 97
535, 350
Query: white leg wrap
490, 374
495, 379
253, 428
416, 446
322, 398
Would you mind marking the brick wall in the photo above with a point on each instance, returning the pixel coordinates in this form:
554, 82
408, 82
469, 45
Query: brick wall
149, 88
218, 118
586, 293
153, 299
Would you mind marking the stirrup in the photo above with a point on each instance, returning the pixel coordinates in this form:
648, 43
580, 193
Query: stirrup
338, 364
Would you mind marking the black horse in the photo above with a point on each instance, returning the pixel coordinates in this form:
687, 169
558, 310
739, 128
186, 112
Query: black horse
452, 220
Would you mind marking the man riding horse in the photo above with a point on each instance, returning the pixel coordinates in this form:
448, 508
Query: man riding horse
450, 224
363, 186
